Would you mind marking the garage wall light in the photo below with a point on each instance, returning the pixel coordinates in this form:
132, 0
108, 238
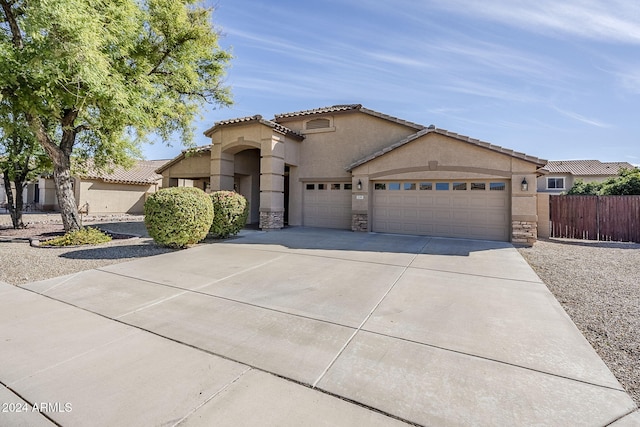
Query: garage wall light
359, 186
524, 185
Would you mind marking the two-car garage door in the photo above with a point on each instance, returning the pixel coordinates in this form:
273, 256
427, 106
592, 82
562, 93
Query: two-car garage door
467, 209
476, 209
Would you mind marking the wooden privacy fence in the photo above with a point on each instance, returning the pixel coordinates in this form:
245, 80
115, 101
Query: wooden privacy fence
595, 217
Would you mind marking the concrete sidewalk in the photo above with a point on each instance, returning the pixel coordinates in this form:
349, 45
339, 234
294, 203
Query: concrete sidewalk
304, 327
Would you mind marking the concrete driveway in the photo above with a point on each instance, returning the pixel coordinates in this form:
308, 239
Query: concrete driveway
303, 327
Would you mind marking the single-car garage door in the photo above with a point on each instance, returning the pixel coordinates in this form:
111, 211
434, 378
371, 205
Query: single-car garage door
327, 205
467, 209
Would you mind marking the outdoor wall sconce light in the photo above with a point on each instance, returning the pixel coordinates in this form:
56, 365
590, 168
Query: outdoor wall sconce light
359, 186
524, 186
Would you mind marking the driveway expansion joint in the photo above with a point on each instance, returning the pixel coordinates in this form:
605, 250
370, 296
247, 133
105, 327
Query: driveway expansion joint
367, 317
489, 359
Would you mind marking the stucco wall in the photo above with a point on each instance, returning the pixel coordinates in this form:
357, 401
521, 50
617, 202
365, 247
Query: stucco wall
356, 135
48, 198
195, 165
108, 198
544, 226
439, 156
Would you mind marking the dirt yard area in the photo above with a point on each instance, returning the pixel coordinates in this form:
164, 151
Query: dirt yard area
598, 284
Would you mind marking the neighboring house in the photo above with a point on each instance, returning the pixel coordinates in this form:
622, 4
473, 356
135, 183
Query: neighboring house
349, 167
27, 196
116, 192
562, 174
3, 194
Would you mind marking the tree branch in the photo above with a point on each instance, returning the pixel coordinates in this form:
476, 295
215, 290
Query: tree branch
49, 146
16, 35
165, 55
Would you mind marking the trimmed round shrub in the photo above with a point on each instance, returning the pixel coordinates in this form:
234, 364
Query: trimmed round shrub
231, 211
178, 216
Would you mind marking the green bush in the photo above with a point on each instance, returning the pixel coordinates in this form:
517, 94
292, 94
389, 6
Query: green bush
178, 216
231, 211
626, 183
84, 236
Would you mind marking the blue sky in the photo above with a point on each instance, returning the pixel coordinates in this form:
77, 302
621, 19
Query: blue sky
555, 79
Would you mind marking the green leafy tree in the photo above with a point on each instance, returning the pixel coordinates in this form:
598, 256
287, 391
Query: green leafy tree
626, 184
21, 159
108, 74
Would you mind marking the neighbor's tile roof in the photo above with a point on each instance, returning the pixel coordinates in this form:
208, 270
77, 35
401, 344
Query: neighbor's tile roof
257, 118
348, 107
586, 167
142, 173
433, 129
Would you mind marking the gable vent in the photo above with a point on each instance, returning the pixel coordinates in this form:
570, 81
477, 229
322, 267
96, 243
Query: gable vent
318, 124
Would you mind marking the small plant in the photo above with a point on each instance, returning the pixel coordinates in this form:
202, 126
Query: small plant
178, 216
84, 236
231, 211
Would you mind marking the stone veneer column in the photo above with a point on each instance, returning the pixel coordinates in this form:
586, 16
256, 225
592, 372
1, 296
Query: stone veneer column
524, 211
524, 232
272, 183
360, 222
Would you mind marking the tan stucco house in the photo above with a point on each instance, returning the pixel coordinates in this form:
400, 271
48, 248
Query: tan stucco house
350, 167
118, 191
561, 175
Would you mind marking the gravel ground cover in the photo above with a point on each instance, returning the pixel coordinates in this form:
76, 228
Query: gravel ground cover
21, 263
598, 284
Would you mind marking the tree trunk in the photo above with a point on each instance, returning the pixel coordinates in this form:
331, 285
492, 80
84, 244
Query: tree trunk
61, 158
66, 198
15, 209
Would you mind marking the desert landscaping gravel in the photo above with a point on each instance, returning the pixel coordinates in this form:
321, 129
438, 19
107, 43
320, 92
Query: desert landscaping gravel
21, 263
597, 283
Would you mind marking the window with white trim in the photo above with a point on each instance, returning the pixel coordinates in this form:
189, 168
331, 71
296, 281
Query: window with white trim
555, 183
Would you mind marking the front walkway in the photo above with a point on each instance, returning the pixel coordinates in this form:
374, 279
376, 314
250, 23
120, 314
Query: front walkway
304, 327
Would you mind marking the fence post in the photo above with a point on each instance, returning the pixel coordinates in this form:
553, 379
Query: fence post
598, 216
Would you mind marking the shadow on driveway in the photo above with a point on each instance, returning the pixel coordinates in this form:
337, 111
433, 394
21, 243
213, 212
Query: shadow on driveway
118, 252
343, 240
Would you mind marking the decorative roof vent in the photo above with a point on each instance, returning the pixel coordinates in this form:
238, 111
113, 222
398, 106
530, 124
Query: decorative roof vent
320, 123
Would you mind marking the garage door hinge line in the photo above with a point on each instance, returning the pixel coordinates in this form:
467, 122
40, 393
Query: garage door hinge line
375, 307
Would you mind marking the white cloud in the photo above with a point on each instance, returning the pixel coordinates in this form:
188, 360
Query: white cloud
630, 79
581, 118
610, 21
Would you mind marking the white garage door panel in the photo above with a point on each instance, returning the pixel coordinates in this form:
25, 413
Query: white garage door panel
327, 207
480, 214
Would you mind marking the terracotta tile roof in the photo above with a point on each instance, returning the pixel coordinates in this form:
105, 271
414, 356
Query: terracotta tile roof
433, 129
348, 107
142, 173
322, 110
586, 167
259, 119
